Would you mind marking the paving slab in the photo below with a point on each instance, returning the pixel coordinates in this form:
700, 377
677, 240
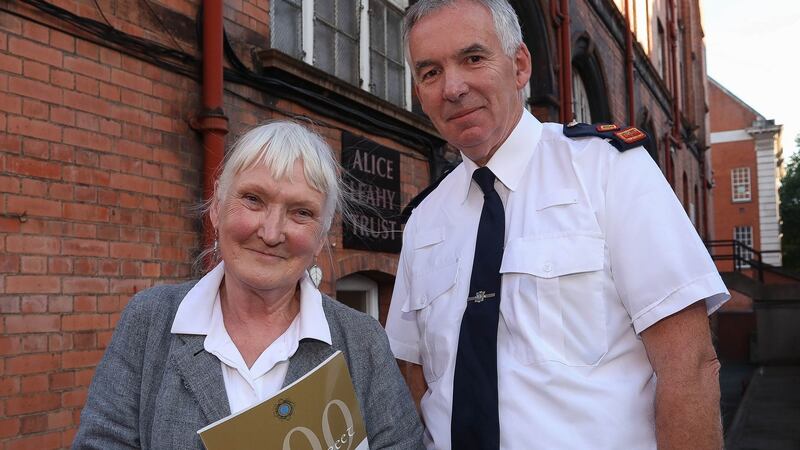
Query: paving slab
768, 417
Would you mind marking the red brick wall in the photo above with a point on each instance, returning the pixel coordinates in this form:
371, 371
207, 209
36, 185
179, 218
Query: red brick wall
98, 170
729, 114
727, 213
726, 112
584, 19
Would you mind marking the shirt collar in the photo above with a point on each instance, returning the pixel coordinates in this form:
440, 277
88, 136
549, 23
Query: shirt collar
510, 160
313, 324
196, 312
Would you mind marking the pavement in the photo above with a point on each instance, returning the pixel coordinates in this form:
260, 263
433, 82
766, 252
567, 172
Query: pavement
734, 378
766, 401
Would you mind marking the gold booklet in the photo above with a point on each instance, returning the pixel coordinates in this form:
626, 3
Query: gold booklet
319, 411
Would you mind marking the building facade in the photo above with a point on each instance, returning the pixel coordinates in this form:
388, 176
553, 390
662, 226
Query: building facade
747, 161
115, 113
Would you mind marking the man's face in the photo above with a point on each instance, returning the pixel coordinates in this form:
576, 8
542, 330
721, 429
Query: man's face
464, 81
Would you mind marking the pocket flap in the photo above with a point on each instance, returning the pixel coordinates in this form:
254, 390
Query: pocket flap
430, 283
554, 197
429, 237
552, 257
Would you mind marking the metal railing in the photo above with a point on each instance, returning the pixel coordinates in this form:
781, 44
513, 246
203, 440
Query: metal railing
742, 255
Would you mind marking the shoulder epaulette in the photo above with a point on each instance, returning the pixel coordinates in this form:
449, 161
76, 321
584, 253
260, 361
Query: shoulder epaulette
406, 213
622, 138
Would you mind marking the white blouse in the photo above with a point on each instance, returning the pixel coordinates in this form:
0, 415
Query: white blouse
200, 313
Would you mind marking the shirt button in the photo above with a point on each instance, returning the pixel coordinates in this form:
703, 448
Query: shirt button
547, 267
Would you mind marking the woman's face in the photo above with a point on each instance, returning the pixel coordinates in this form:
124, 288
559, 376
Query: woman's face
269, 230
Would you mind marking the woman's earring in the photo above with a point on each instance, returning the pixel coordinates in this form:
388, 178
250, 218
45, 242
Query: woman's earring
316, 274
215, 248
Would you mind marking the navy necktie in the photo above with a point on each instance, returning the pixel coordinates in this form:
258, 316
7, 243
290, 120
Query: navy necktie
475, 422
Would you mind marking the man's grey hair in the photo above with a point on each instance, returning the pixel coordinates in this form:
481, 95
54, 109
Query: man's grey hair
278, 145
506, 23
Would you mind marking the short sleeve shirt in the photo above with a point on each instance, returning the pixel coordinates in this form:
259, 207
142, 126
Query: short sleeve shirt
597, 249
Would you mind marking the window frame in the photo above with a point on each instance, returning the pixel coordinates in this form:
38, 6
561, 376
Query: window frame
363, 64
385, 57
359, 283
581, 103
747, 182
744, 235
338, 33
586, 65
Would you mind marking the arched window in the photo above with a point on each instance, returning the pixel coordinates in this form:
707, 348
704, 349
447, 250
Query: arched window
580, 100
541, 93
589, 91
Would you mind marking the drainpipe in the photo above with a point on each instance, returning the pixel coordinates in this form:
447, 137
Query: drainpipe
211, 122
704, 198
556, 17
560, 13
676, 112
629, 64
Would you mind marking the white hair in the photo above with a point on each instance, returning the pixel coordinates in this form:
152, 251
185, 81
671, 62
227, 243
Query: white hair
277, 145
506, 23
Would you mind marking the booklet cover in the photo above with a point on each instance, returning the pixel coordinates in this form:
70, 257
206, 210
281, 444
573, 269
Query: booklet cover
319, 411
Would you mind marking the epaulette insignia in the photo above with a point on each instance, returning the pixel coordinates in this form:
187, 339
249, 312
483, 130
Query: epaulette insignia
631, 135
607, 127
622, 138
406, 213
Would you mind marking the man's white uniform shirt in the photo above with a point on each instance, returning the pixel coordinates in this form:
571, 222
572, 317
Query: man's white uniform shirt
200, 313
597, 249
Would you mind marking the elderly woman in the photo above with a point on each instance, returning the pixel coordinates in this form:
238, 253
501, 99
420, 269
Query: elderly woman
187, 355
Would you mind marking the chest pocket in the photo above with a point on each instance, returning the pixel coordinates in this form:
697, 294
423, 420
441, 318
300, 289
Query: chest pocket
435, 272
553, 301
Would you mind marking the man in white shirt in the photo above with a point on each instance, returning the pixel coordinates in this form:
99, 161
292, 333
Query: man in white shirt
602, 339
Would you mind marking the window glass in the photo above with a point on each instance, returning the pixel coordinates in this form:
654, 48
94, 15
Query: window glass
393, 35
286, 27
347, 54
377, 13
336, 38
740, 184
387, 71
744, 235
325, 11
323, 47
347, 16
337, 45
580, 99
395, 84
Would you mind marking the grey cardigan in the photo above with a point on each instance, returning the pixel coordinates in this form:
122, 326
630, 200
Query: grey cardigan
154, 389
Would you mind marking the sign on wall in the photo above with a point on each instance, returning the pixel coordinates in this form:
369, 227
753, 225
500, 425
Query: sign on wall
373, 173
